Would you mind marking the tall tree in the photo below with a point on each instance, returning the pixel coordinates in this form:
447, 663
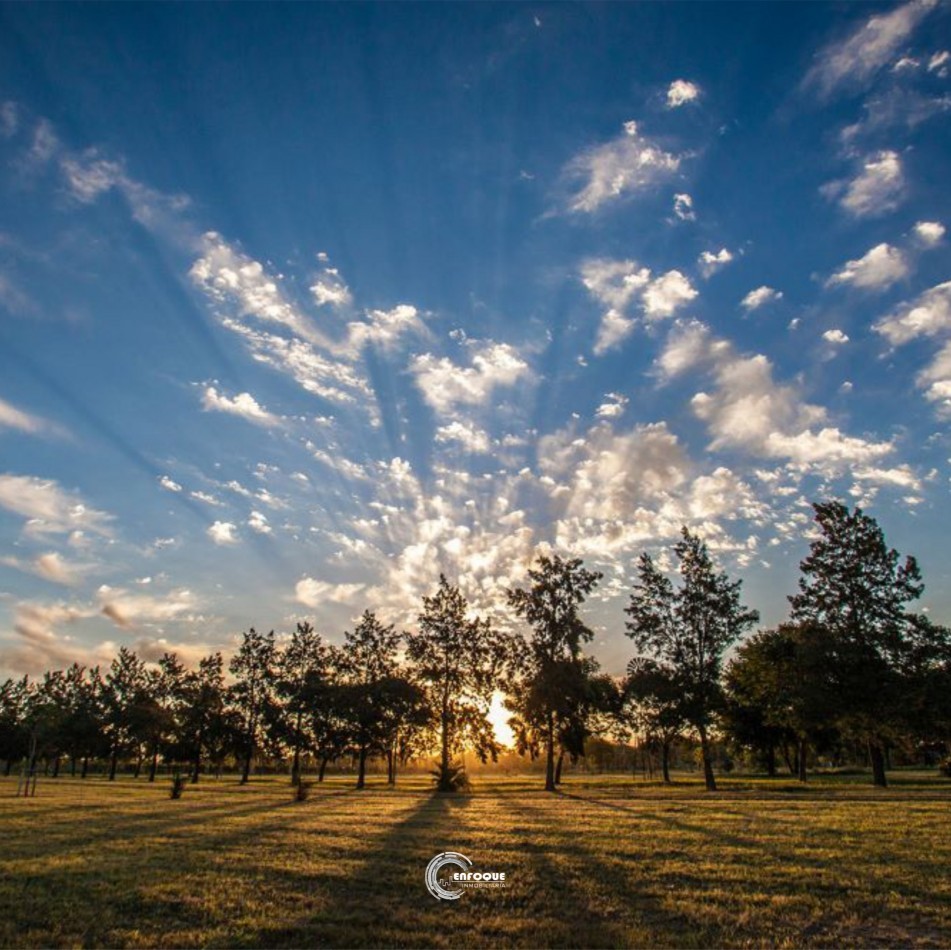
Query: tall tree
856, 588
205, 725
554, 673
252, 693
368, 665
303, 666
689, 629
123, 692
457, 661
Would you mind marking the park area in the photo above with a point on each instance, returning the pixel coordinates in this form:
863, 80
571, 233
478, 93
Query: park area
604, 862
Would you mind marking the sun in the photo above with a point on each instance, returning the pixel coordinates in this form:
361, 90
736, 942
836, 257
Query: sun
499, 715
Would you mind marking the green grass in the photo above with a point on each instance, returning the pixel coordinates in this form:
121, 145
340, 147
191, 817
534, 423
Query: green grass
607, 862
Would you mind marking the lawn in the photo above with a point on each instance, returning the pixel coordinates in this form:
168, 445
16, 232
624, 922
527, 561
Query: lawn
606, 862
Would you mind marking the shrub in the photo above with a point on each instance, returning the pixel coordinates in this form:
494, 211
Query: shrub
178, 786
302, 790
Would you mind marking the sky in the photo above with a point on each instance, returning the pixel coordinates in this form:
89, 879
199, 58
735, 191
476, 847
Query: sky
302, 305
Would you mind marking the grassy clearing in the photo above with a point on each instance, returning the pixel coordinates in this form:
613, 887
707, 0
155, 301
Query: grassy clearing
604, 863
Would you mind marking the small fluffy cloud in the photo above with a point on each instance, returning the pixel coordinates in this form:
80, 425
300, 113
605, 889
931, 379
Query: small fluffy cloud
620, 284
444, 384
48, 508
683, 207
711, 262
680, 92
169, 484
876, 189
613, 408
128, 610
243, 405
688, 345
258, 523
881, 267
313, 593
760, 297
384, 328
835, 336
929, 233
223, 533
51, 567
471, 438
626, 165
854, 61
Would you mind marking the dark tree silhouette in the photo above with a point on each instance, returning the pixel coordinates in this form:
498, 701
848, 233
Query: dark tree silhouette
252, 693
554, 673
457, 661
206, 725
855, 588
688, 629
123, 693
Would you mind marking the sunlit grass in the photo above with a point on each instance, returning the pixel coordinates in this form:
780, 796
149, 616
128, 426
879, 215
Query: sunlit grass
608, 862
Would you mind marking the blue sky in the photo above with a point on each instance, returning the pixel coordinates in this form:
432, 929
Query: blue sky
301, 305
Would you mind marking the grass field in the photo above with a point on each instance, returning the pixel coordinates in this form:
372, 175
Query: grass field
604, 863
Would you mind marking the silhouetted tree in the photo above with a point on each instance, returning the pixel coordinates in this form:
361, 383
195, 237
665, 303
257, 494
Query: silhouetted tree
688, 630
554, 673
855, 588
206, 727
252, 693
123, 692
457, 661
652, 704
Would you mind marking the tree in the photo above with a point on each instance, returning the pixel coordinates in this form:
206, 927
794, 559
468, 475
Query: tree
302, 668
652, 703
14, 735
368, 667
689, 629
205, 727
855, 588
252, 693
553, 680
457, 661
779, 690
123, 691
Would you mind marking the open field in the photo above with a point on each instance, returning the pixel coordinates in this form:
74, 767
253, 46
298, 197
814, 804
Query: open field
604, 863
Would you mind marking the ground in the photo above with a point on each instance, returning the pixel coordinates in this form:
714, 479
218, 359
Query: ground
606, 862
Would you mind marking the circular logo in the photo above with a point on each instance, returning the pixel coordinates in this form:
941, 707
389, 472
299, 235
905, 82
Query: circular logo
434, 885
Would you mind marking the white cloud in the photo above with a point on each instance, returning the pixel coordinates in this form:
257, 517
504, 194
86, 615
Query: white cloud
169, 484
835, 336
613, 408
243, 405
687, 346
9, 119
13, 418
938, 62
385, 328
929, 314
50, 566
313, 593
929, 233
128, 610
630, 163
619, 284
330, 290
710, 263
680, 92
223, 532
683, 207
881, 267
877, 188
471, 438
857, 59
760, 297
257, 522
935, 380
444, 384
48, 508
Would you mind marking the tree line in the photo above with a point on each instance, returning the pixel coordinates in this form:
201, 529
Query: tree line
853, 671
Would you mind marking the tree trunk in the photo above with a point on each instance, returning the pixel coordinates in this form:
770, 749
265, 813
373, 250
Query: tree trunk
85, 767
771, 761
444, 785
801, 757
153, 767
390, 767
709, 780
295, 767
665, 761
362, 768
788, 760
550, 754
196, 766
323, 768
56, 767
877, 755
246, 771
561, 759
113, 764
138, 765
8, 766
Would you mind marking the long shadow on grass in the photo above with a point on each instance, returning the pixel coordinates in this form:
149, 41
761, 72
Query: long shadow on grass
383, 901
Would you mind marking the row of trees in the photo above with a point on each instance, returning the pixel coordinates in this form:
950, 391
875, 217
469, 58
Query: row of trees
853, 665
